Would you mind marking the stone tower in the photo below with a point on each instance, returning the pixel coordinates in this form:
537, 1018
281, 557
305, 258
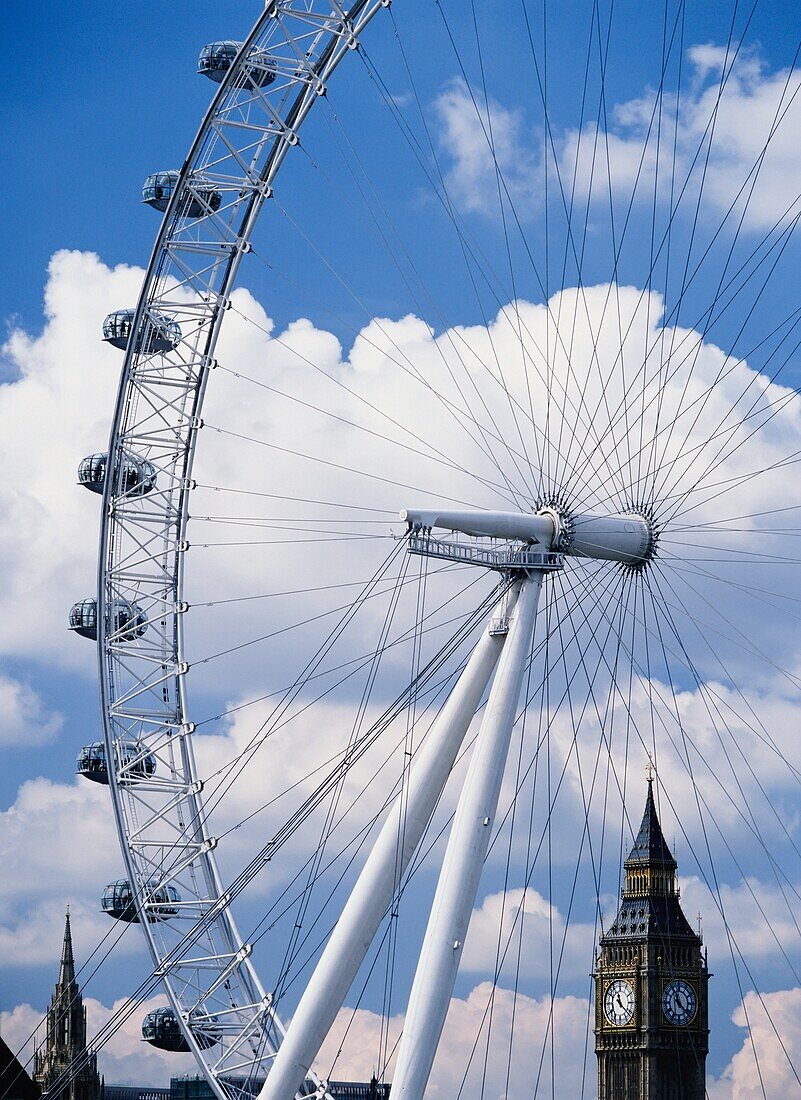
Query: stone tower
651, 1018
65, 1041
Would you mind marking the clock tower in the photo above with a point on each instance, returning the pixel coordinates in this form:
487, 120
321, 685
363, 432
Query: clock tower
651, 1020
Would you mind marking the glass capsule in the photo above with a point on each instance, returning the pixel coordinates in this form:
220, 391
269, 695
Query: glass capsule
134, 762
124, 620
160, 333
118, 902
198, 200
136, 475
161, 1029
216, 58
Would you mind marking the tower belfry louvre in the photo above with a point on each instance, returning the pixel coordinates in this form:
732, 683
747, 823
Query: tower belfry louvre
65, 1040
651, 978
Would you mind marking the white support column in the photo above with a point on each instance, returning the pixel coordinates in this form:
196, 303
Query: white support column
372, 895
464, 858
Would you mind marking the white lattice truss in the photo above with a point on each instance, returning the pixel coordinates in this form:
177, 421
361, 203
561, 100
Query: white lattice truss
247, 132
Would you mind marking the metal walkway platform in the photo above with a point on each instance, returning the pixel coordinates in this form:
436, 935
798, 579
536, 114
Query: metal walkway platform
503, 557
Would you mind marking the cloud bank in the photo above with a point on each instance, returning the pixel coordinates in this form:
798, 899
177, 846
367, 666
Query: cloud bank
324, 430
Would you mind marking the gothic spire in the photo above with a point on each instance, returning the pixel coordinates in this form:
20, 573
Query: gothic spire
66, 975
63, 1049
650, 846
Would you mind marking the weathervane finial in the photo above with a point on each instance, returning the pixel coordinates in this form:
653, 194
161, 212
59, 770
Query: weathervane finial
650, 770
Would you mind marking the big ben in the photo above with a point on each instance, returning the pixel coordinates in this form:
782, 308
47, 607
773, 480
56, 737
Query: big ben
651, 978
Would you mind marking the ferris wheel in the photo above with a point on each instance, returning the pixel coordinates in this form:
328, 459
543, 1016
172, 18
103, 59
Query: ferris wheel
591, 489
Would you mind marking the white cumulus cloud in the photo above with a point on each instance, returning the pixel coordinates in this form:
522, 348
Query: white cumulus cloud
24, 720
768, 1062
390, 423
475, 135
731, 105
741, 115
353, 1048
517, 927
57, 838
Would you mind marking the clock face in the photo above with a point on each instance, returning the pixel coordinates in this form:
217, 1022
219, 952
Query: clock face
679, 1002
619, 1003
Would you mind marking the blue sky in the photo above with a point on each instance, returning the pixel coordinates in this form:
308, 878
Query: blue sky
103, 99
99, 97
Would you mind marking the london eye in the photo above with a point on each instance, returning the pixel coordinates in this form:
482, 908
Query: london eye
493, 567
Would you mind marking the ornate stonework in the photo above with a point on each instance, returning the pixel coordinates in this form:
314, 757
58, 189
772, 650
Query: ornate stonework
651, 977
65, 1041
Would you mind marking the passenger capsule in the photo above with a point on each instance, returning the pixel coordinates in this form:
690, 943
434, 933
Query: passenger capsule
217, 58
161, 1029
159, 188
118, 902
135, 762
160, 332
137, 476
124, 621
83, 619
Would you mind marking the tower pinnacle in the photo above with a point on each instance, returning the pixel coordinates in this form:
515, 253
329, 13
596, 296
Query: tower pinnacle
650, 769
650, 848
66, 975
65, 1039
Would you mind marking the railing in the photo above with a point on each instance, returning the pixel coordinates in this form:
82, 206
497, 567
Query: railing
503, 557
